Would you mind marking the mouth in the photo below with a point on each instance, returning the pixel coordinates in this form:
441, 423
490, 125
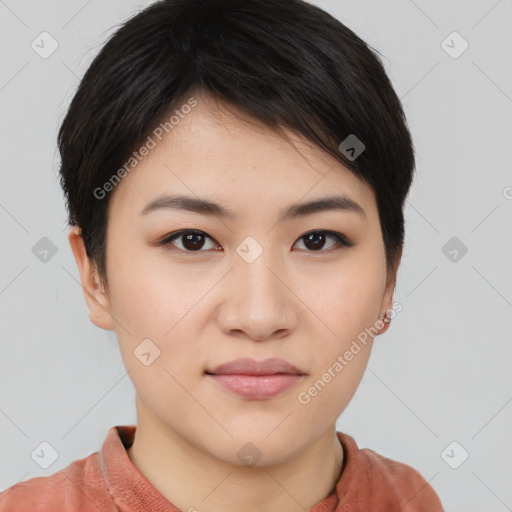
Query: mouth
256, 380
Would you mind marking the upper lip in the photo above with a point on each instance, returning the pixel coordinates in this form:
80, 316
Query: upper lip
249, 366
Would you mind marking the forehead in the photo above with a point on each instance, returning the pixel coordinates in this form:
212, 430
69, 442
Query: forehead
215, 151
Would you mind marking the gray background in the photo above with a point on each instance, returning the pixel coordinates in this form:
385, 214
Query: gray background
442, 371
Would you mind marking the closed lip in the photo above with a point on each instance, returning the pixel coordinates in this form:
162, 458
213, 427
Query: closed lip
247, 366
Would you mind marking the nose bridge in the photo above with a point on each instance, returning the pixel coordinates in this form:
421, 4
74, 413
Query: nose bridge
257, 300
256, 266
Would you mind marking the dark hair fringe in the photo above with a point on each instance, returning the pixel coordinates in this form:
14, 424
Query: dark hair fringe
284, 63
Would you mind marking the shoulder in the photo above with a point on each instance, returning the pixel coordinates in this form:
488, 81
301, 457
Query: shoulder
78, 487
393, 483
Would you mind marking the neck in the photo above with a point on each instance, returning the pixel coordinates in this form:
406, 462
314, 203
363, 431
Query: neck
191, 478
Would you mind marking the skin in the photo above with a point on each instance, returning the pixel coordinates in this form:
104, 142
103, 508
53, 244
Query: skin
206, 307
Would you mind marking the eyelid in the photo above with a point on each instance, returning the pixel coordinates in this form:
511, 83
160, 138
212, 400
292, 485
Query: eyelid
167, 239
341, 239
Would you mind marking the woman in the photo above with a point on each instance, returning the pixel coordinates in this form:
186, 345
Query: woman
235, 174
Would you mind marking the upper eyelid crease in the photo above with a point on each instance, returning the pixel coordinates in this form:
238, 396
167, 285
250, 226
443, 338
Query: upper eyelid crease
340, 238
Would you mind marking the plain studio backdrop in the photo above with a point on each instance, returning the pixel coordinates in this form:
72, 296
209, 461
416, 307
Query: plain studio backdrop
438, 390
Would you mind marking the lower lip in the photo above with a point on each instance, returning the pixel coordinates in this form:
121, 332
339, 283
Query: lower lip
256, 386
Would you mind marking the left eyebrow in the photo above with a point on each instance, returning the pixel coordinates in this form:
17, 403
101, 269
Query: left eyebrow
206, 207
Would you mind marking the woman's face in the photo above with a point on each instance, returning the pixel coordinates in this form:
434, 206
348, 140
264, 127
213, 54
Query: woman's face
267, 280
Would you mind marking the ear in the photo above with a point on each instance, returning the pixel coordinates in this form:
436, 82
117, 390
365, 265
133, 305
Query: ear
387, 302
94, 292
387, 299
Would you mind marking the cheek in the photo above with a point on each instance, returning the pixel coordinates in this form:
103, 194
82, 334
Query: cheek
329, 390
350, 299
146, 295
159, 303
348, 306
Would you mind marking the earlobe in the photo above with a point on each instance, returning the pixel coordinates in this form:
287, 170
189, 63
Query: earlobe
384, 320
387, 301
385, 308
95, 295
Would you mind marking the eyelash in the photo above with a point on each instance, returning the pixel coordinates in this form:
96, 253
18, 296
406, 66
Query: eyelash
341, 240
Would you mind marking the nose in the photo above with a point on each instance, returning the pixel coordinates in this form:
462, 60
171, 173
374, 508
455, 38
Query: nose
258, 302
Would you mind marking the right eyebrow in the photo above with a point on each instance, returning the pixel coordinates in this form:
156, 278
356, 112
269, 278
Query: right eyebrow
206, 207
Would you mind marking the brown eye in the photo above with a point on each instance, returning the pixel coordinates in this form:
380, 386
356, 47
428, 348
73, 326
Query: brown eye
191, 240
195, 241
315, 240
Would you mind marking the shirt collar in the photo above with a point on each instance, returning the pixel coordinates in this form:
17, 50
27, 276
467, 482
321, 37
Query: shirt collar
131, 491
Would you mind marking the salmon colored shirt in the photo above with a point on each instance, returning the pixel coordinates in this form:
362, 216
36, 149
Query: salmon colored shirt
107, 481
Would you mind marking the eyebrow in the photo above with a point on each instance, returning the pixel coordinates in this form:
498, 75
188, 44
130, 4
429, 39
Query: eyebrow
206, 207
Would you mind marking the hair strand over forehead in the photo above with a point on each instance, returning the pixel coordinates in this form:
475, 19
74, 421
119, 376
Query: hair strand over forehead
286, 64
